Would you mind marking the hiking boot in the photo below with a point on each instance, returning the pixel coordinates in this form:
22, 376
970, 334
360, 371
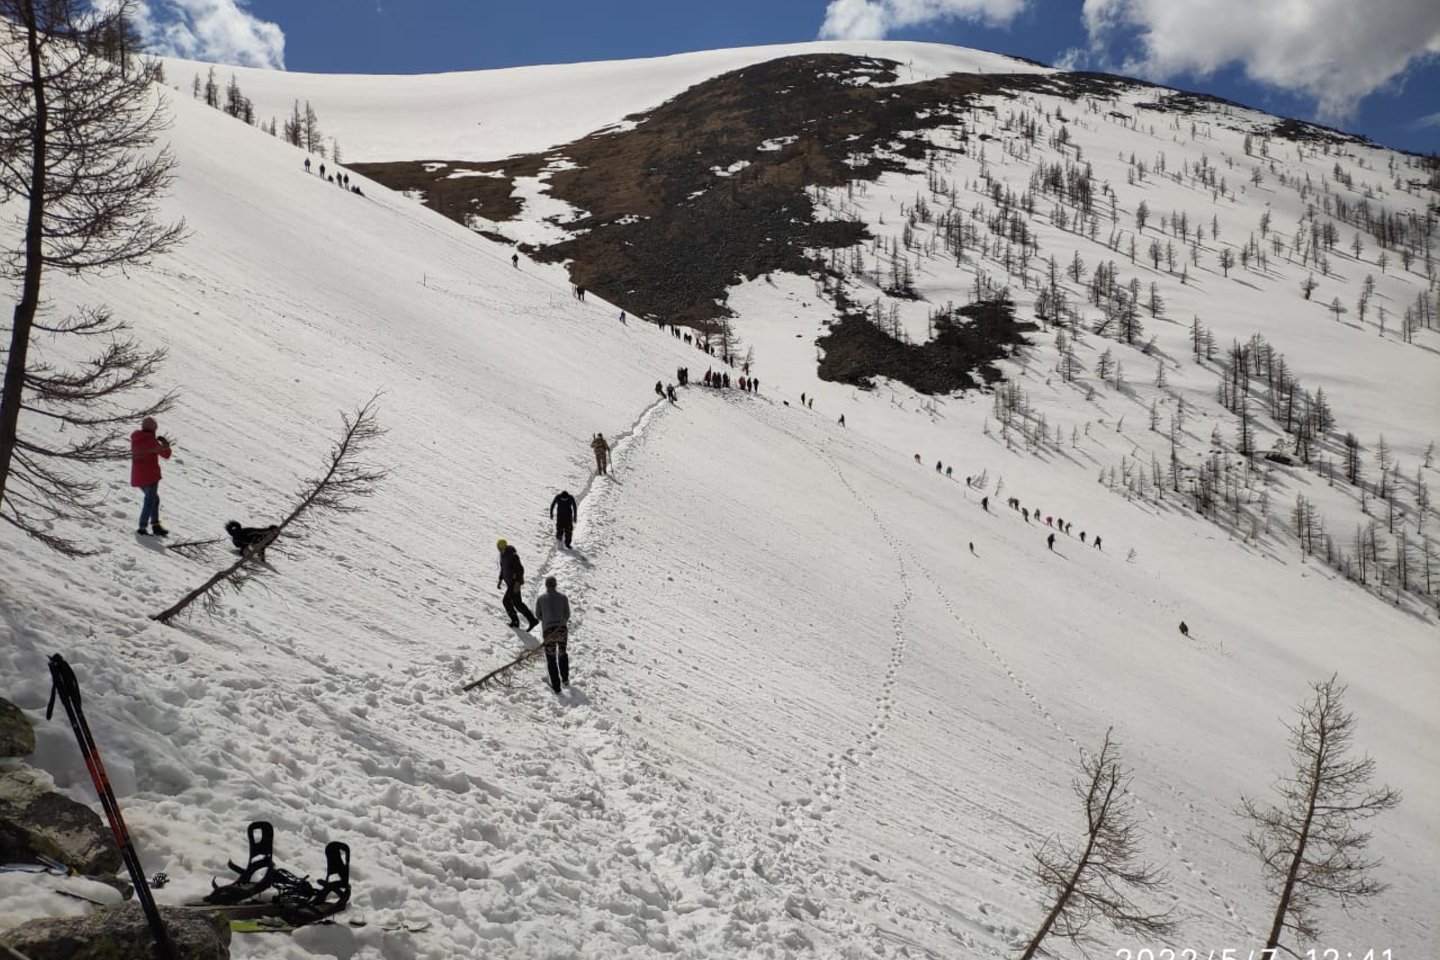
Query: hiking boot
514, 624
142, 532
531, 624
158, 530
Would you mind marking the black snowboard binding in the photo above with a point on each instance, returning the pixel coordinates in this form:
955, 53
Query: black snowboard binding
333, 895
258, 874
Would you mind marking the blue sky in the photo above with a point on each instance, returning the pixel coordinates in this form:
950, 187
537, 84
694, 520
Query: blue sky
1372, 66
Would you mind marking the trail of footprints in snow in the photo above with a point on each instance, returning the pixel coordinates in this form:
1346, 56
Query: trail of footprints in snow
835, 780
1015, 678
1024, 688
832, 790
1194, 871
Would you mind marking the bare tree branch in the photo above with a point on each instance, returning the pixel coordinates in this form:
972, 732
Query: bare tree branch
345, 480
1087, 881
1308, 844
505, 675
201, 551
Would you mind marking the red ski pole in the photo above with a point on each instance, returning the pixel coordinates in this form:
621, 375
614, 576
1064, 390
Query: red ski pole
67, 688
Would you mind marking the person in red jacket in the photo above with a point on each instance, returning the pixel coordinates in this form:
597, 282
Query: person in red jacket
146, 449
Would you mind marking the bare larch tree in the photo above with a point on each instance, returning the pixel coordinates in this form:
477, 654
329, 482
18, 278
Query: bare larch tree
77, 136
1088, 880
1308, 844
345, 480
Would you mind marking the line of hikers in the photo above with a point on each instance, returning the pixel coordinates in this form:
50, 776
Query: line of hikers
340, 178
1058, 523
721, 379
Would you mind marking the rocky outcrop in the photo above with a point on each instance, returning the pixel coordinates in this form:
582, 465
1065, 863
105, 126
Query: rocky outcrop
17, 736
35, 819
120, 933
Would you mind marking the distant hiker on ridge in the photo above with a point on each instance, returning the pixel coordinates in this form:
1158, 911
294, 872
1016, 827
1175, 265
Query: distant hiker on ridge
565, 518
512, 578
1184, 629
146, 449
1050, 542
602, 454
515, 260
554, 610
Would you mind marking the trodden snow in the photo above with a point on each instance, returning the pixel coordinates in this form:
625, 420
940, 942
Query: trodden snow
807, 718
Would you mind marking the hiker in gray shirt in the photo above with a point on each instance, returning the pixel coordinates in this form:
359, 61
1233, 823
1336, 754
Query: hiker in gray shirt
553, 609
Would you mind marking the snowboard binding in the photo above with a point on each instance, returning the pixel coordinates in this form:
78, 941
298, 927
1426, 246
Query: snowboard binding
297, 901
308, 903
258, 874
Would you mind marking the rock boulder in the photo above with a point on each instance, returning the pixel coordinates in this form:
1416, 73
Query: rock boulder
17, 735
35, 819
121, 933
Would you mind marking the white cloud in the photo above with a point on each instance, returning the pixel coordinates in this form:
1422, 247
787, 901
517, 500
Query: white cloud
1431, 120
875, 19
218, 31
1336, 51
1073, 58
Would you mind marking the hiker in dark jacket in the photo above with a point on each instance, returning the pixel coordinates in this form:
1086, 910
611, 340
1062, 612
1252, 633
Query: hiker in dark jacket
554, 611
512, 577
565, 518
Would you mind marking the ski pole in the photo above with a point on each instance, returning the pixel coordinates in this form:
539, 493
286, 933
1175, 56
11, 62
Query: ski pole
67, 688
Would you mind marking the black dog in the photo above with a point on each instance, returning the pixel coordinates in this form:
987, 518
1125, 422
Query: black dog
247, 539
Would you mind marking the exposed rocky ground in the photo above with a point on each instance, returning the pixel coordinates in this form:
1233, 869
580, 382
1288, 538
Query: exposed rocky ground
675, 206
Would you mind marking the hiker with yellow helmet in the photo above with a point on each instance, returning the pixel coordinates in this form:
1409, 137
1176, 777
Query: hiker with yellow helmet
512, 578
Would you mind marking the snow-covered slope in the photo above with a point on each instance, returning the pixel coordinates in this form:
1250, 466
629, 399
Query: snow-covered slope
489, 114
824, 704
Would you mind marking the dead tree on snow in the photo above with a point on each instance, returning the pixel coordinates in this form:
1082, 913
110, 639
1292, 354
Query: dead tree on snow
345, 480
1087, 880
505, 675
1307, 843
